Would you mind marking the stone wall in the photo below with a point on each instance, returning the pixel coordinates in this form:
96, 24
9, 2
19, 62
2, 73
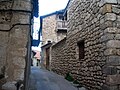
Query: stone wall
60, 66
51, 33
61, 35
3, 51
15, 17
96, 22
49, 29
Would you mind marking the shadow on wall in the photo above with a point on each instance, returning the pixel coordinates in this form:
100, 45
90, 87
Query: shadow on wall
2, 74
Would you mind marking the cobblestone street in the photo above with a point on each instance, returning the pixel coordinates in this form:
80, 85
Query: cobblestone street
45, 80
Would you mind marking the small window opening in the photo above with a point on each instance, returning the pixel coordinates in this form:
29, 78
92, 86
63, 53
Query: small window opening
60, 17
81, 49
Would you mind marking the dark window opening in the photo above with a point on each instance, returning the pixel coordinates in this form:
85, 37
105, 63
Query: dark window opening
81, 49
47, 57
61, 17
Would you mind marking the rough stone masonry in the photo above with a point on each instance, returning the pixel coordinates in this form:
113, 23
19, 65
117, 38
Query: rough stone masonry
95, 23
15, 17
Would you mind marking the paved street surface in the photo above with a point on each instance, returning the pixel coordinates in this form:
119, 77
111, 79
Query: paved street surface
45, 80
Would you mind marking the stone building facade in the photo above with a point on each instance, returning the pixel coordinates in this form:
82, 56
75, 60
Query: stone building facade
91, 51
15, 28
54, 29
58, 51
52, 24
49, 29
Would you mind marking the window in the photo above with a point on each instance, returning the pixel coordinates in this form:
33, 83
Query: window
81, 49
60, 17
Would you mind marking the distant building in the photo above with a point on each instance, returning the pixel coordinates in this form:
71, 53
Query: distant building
37, 55
36, 58
54, 29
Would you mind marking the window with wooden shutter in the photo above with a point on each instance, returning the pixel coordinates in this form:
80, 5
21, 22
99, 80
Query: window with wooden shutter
81, 49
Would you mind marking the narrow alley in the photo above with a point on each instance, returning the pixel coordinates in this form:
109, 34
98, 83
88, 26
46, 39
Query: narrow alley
59, 44
46, 80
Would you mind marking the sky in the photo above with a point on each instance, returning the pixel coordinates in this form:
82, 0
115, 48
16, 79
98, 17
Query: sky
47, 7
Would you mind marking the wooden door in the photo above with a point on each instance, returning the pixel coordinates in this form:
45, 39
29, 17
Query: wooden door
47, 57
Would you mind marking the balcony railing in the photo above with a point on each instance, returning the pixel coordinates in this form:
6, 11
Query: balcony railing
61, 25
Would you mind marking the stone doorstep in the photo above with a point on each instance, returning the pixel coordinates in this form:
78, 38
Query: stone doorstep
9, 86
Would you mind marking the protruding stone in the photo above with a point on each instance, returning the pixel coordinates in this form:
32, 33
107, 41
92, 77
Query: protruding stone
111, 1
107, 8
102, 2
117, 36
110, 51
110, 16
113, 43
115, 9
9, 86
113, 80
112, 30
107, 37
113, 60
110, 70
